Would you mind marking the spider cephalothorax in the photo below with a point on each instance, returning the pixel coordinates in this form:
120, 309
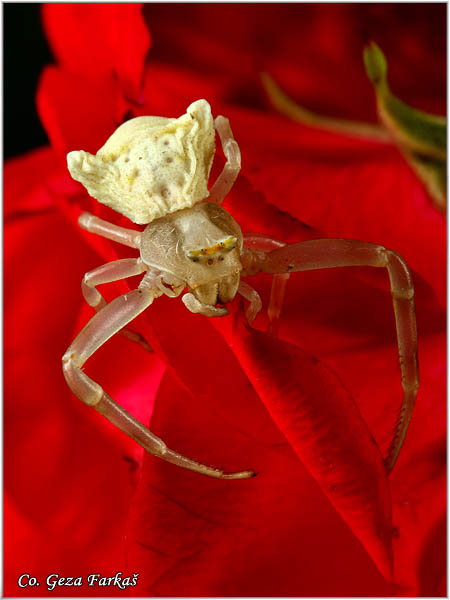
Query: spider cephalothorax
200, 246
155, 171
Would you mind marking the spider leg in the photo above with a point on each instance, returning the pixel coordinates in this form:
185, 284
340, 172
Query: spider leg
257, 241
328, 253
113, 271
195, 306
103, 325
226, 179
253, 297
128, 237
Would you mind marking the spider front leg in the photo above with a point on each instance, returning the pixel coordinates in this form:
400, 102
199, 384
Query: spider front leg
103, 325
226, 179
264, 243
328, 253
113, 271
121, 235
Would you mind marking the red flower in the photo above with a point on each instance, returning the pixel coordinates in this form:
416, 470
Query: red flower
223, 393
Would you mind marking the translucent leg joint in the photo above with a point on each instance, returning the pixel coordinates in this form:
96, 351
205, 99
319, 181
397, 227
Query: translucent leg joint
253, 297
195, 306
231, 169
81, 385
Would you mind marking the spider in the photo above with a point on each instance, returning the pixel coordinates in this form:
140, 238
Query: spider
155, 171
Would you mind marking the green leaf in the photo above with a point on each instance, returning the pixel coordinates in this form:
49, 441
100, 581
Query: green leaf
433, 173
421, 137
375, 63
415, 129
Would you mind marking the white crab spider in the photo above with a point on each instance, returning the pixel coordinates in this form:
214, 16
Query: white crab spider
155, 171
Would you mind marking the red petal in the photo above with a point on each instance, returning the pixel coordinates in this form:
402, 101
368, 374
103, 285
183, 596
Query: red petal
23, 177
316, 53
76, 112
100, 41
322, 423
275, 534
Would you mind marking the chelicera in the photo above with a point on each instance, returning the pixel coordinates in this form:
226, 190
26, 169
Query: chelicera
155, 171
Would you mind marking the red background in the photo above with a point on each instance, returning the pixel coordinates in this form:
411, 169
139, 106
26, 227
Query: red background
80, 497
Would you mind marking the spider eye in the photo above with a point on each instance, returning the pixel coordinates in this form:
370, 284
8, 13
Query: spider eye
216, 250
